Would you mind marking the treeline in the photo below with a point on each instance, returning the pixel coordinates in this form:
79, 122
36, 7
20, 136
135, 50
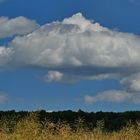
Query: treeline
112, 121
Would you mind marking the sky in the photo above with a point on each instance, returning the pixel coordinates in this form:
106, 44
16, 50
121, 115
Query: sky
70, 55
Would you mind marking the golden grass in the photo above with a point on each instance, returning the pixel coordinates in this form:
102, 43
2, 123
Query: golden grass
30, 129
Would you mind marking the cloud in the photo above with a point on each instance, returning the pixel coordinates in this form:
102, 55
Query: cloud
76, 46
3, 97
16, 26
89, 99
5, 56
115, 96
75, 49
77, 43
53, 76
132, 82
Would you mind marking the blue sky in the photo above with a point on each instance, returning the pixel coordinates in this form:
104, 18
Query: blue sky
37, 71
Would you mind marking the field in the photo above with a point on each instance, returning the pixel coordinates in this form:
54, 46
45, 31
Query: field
30, 128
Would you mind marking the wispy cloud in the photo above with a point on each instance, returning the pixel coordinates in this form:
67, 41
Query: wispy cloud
75, 49
3, 97
115, 96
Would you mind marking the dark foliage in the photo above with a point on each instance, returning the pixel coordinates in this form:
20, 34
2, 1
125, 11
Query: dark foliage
112, 121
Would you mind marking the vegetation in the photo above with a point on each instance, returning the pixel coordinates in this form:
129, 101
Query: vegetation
31, 128
112, 121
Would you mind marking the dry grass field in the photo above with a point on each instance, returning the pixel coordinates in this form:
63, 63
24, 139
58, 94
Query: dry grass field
30, 129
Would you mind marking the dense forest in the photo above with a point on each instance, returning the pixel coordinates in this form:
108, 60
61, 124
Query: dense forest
112, 121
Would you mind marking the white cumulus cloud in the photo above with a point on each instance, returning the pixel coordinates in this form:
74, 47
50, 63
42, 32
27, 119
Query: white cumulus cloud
80, 44
75, 49
16, 26
53, 76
